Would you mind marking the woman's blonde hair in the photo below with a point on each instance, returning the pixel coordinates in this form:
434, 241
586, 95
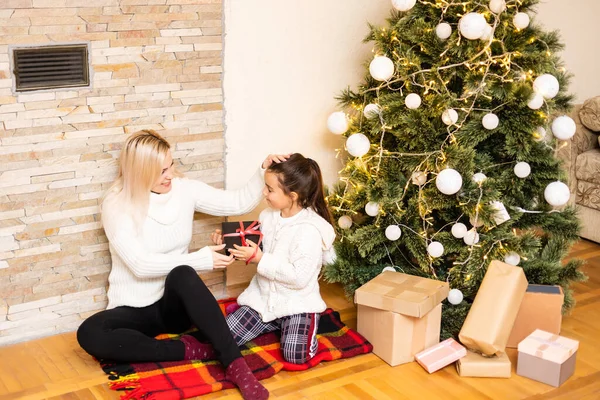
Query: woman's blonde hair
140, 165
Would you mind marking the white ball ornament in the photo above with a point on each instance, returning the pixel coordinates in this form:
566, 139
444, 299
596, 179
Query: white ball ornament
497, 6
522, 169
479, 177
371, 111
536, 101
471, 238
563, 127
419, 178
512, 258
372, 208
488, 33
540, 134
490, 121
443, 30
381, 68
391, 269
450, 116
413, 101
472, 25
403, 5
393, 232
337, 123
521, 20
546, 85
459, 230
455, 297
448, 181
435, 249
345, 222
557, 194
475, 222
358, 144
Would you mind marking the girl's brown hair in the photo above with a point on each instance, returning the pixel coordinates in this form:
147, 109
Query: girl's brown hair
302, 176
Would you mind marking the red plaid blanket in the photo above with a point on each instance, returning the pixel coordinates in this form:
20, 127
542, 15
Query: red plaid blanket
184, 379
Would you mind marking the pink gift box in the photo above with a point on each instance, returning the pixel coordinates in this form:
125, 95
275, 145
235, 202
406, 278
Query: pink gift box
440, 355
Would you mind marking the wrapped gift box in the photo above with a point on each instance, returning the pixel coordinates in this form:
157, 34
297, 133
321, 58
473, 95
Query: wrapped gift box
477, 366
239, 231
541, 308
494, 310
547, 358
400, 314
441, 355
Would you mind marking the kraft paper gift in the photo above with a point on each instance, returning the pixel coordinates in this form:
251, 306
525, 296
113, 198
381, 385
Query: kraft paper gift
541, 308
547, 358
490, 320
477, 366
440, 355
400, 314
401, 293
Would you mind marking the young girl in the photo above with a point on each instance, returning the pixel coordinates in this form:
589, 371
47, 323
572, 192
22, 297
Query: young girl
298, 237
153, 285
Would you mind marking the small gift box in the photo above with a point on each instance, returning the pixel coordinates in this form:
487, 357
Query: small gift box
547, 358
440, 355
400, 314
477, 366
541, 308
239, 232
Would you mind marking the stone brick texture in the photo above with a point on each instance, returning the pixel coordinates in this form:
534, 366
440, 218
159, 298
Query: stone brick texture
154, 64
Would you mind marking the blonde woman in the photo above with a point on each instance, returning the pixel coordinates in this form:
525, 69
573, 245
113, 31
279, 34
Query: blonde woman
153, 284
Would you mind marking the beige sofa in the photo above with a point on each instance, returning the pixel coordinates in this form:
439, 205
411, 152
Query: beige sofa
582, 159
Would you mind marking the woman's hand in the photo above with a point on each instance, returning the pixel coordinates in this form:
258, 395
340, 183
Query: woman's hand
217, 237
274, 158
244, 253
220, 260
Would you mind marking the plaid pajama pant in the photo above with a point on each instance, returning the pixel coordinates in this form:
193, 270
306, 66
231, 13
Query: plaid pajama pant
298, 332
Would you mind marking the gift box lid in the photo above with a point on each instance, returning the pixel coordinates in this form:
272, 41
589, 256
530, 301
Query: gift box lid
548, 346
405, 294
545, 289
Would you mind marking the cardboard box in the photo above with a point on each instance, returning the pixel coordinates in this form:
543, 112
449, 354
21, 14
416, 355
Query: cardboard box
237, 232
440, 355
477, 366
494, 310
541, 308
547, 358
400, 314
396, 338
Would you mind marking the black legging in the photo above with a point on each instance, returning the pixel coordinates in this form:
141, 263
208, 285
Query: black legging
126, 334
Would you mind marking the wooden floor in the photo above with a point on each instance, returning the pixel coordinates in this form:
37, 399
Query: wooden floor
56, 368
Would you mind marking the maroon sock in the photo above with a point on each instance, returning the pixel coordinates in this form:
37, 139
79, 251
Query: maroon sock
239, 373
195, 350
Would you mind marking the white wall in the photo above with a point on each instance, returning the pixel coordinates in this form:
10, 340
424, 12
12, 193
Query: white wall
577, 21
285, 61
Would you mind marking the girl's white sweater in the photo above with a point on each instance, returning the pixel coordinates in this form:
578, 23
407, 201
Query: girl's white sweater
141, 259
287, 277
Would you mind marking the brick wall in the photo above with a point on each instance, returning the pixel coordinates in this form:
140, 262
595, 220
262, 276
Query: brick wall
155, 64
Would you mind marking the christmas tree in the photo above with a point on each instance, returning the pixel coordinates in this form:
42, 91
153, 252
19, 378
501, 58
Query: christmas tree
449, 163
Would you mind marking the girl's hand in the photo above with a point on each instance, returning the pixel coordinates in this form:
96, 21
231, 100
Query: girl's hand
217, 237
244, 253
274, 158
220, 260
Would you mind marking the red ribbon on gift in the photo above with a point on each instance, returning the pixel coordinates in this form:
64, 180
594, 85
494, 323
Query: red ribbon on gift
252, 229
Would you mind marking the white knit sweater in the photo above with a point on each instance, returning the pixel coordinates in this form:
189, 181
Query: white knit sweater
287, 277
141, 259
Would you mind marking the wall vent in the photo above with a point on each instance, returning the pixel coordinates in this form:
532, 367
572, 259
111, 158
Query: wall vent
51, 67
